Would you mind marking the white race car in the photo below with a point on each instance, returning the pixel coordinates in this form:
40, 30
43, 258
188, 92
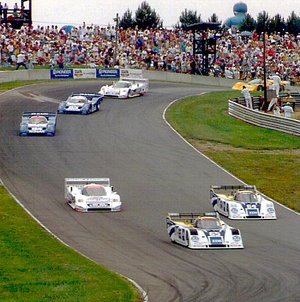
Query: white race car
91, 194
126, 88
202, 231
241, 202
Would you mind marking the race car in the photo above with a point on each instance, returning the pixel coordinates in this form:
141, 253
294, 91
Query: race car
91, 194
82, 103
241, 202
38, 123
126, 88
202, 231
258, 85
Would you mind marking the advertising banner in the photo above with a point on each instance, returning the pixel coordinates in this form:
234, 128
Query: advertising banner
131, 73
56, 74
84, 73
108, 73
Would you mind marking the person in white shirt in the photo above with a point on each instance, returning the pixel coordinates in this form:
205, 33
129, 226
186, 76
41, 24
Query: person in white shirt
276, 110
288, 110
21, 60
247, 97
276, 83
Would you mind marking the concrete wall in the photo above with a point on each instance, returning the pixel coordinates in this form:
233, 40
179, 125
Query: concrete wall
44, 74
188, 78
24, 75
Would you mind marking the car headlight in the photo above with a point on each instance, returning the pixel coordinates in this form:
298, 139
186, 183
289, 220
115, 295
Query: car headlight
115, 200
236, 238
195, 238
80, 200
234, 210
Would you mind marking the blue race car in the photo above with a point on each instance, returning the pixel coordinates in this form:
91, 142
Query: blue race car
82, 103
38, 123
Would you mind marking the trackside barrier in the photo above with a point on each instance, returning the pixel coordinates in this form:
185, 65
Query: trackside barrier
261, 119
44, 74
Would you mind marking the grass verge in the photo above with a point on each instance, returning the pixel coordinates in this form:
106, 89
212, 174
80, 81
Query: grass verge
266, 158
36, 267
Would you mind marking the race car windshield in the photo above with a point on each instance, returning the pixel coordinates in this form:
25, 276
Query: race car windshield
254, 82
37, 120
122, 85
93, 191
75, 99
248, 197
208, 224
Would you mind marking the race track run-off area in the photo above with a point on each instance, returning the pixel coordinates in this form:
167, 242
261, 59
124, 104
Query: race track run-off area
155, 172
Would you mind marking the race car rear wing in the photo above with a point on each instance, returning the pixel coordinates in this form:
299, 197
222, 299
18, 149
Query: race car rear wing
89, 96
80, 182
185, 216
143, 81
226, 188
51, 116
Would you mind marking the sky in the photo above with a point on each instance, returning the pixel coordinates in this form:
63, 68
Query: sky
102, 12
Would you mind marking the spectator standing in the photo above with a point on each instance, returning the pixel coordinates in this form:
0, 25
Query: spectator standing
15, 10
288, 110
5, 8
1, 11
21, 60
60, 61
276, 83
247, 97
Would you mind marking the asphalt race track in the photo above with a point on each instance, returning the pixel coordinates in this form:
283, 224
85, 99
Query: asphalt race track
155, 172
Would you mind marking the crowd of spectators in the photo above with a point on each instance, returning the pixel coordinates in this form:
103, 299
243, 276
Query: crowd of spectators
237, 56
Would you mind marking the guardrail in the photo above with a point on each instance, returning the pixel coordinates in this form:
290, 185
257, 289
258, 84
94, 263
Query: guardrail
262, 119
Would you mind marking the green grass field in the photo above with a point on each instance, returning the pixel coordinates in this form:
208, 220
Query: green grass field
266, 158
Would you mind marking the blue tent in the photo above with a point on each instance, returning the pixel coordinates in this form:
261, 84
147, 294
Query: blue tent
67, 28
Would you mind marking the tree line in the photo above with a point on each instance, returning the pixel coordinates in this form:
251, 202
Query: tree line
146, 17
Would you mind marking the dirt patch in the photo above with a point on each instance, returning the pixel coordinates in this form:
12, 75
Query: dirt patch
216, 147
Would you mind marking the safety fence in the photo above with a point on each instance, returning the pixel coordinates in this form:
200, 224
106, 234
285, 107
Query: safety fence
237, 109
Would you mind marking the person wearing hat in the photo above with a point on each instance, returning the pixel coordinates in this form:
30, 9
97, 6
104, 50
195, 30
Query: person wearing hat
288, 110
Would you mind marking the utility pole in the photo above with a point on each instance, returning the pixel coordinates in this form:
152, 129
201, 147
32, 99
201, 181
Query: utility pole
116, 19
264, 63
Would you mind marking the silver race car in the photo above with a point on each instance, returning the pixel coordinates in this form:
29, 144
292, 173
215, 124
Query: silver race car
126, 88
91, 194
38, 123
202, 231
82, 103
241, 202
